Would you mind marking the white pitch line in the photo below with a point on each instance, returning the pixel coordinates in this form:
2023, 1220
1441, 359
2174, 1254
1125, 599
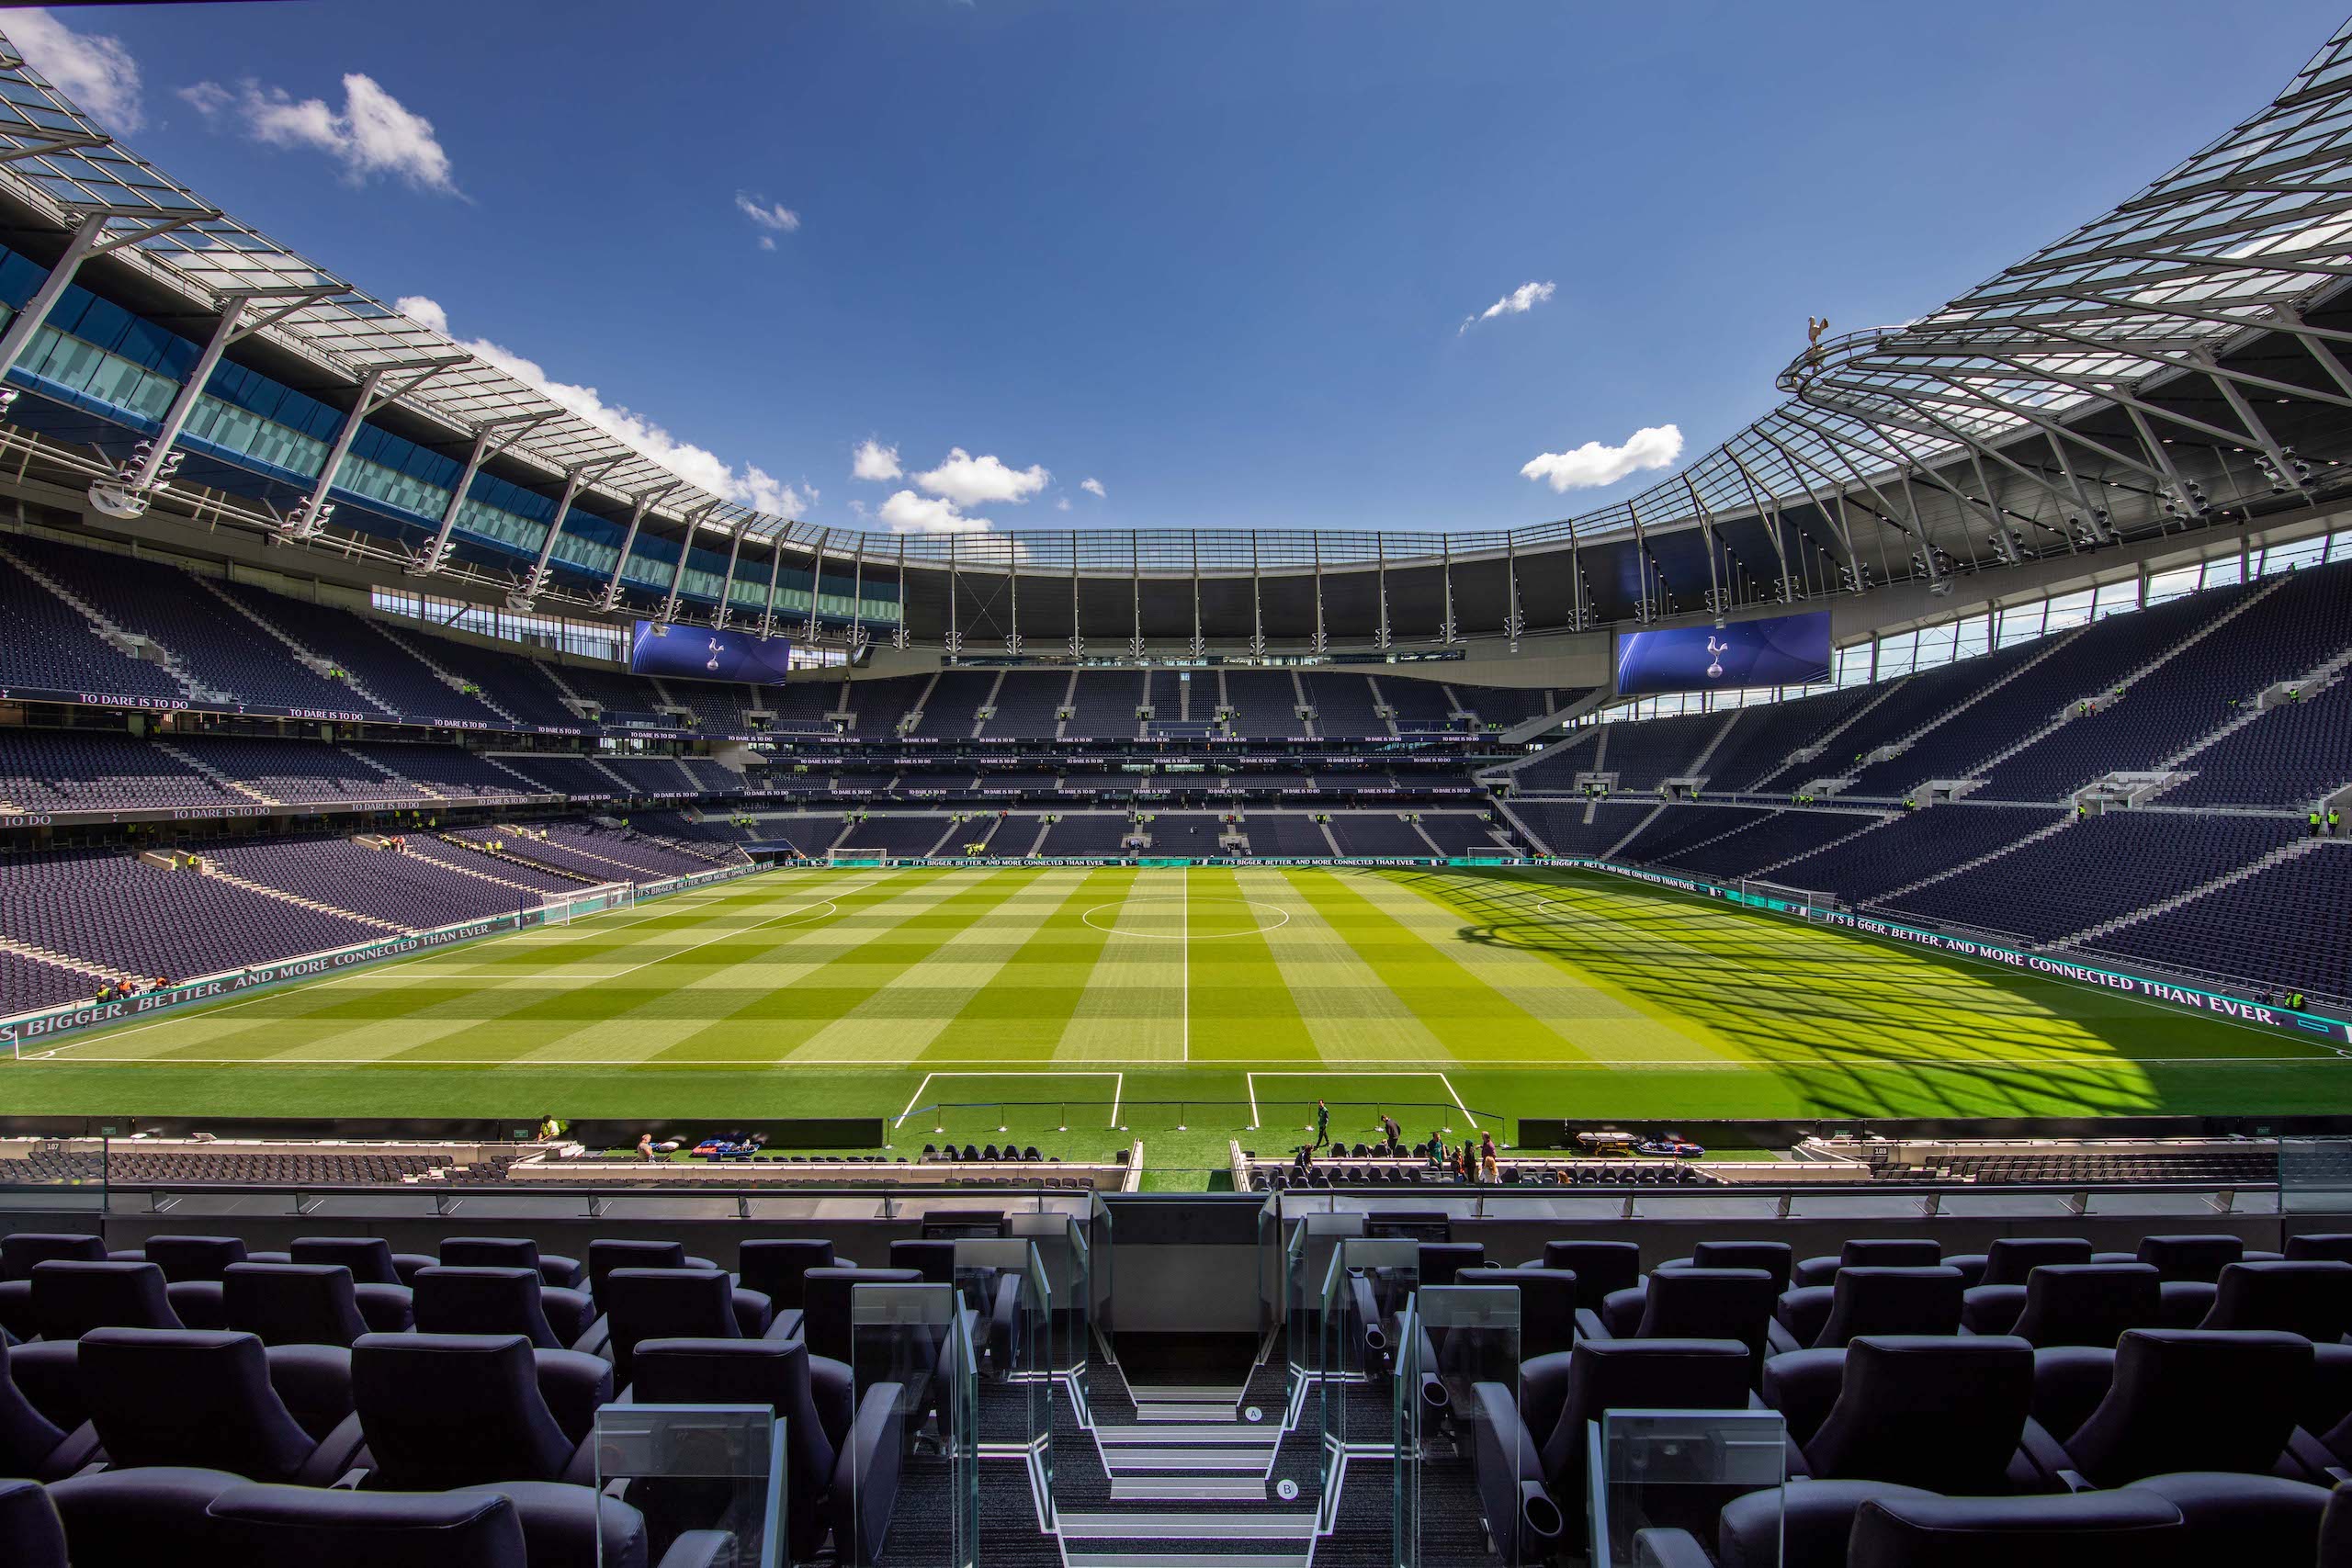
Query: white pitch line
1184, 958
1118, 1080
722, 936
868, 1064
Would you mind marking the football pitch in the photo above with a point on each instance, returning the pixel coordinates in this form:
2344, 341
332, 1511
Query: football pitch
1185, 1006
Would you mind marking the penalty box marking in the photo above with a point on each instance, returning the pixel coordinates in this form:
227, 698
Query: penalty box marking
1252, 1080
1118, 1086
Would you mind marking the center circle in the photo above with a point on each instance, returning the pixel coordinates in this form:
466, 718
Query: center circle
1180, 919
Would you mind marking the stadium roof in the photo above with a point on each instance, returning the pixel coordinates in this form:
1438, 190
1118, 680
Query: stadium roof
2038, 409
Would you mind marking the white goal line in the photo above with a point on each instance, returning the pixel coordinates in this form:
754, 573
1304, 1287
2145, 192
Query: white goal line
1118, 1085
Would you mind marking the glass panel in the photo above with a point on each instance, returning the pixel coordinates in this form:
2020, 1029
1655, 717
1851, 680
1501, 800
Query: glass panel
1405, 1498
1314, 1240
1658, 1471
695, 1466
1366, 1288
1475, 1484
2316, 1176
915, 1392
1003, 1287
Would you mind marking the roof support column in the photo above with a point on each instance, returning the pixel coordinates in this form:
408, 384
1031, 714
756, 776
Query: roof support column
1445, 580
611, 598
1257, 610
1196, 647
1012, 599
955, 644
1640, 564
1315, 542
1513, 622
34, 312
815, 582
1077, 636
308, 520
678, 571
1135, 589
1380, 589
900, 634
858, 636
536, 583
776, 566
724, 616
487, 440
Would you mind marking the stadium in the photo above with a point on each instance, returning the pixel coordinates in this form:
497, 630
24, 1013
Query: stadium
550, 1015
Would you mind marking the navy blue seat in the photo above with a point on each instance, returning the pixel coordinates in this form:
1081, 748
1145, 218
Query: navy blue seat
1547, 1305
30, 1443
191, 1398
19, 1251
810, 1395
2010, 1258
406, 1386
70, 1297
1690, 1304
775, 1267
193, 1269
825, 1306
115, 1518
1561, 1393
1867, 1299
2088, 1304
2062, 1531
678, 1303
468, 1300
1946, 1413
1869, 1252
31, 1535
555, 1271
604, 1256
362, 1529
1600, 1267
2311, 1297
379, 1276
293, 1304
2185, 1400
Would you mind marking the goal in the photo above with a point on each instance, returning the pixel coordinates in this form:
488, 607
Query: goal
858, 857
1806, 901
567, 908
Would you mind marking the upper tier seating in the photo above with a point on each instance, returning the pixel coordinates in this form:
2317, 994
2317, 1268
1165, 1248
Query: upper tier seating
1776, 837
1286, 836
46, 645
1908, 705
392, 674
295, 772
1028, 706
1417, 705
564, 775
1376, 834
1103, 704
2092, 661
1461, 833
445, 770
1562, 827
1506, 706
220, 648
1680, 827
1645, 755
2298, 625
514, 680
880, 705
623, 699
2293, 754
1264, 704
1343, 706
1760, 739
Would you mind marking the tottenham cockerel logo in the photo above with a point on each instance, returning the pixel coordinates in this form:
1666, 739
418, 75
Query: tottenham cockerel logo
1716, 648
718, 648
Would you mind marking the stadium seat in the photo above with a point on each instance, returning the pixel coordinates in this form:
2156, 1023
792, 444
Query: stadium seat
287, 1524
185, 1398
2183, 1400
1547, 1305
1561, 1393
1688, 1304
114, 1519
69, 1298
378, 1275
30, 1443
2080, 1304
678, 1303
1911, 1409
500, 1301
775, 1266
2311, 1297
1816, 1271
934, 1261
513, 1252
604, 1256
293, 1304
2334, 1246
1602, 1267
1442, 1262
827, 1323
1524, 1523
529, 1414
31, 1535
19, 1251
1775, 1258
2018, 1533
812, 1394
1867, 1299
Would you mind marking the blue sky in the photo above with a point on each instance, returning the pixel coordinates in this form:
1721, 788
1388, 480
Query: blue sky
1226, 258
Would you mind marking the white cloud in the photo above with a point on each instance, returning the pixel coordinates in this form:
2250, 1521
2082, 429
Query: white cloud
1093, 487
906, 513
372, 135
752, 485
975, 482
774, 217
1061, 503
92, 68
1518, 302
1593, 465
874, 461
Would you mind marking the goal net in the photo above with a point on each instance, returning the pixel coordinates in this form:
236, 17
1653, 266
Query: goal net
1807, 901
856, 857
564, 909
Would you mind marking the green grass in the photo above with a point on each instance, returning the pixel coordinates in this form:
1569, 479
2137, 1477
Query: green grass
1012, 998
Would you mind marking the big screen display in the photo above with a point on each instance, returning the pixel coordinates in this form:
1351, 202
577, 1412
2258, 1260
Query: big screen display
698, 653
1777, 650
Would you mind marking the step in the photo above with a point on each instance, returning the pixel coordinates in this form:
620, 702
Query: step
1298, 1527
1239, 1435
1182, 1411
1203, 1456
1185, 1559
1188, 1489
1171, 1393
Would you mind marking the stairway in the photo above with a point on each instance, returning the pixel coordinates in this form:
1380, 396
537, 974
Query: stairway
455, 682
1812, 750
2070, 711
2165, 906
2311, 684
302, 656
1867, 825
125, 642
2033, 837
988, 705
2059, 644
1647, 817
219, 872
427, 791
215, 775
1068, 704
51, 956
1698, 764
479, 875
1380, 700
485, 850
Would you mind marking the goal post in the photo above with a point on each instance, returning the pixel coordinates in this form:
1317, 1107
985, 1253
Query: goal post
858, 857
1806, 901
563, 909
